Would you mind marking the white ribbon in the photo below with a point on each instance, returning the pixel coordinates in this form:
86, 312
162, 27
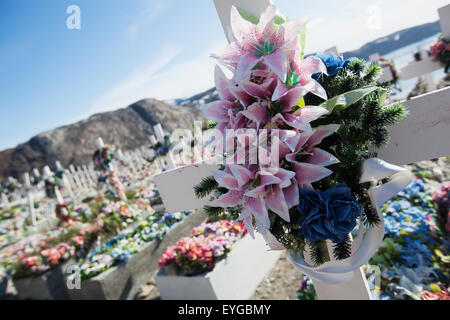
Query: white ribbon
367, 242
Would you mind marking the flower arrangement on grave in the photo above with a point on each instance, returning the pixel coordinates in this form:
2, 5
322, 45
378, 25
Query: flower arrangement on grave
395, 74
442, 198
47, 250
111, 216
102, 158
6, 214
50, 184
11, 185
325, 116
36, 180
210, 242
161, 149
420, 88
441, 52
121, 248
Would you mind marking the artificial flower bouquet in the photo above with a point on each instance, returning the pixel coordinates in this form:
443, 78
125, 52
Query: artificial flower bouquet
210, 242
122, 247
441, 52
315, 176
395, 74
420, 88
161, 149
103, 157
6, 214
46, 251
110, 216
442, 198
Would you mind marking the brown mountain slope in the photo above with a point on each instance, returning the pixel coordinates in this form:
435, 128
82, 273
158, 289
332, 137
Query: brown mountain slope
126, 129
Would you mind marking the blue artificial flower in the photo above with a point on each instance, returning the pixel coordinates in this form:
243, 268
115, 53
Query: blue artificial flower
329, 215
333, 63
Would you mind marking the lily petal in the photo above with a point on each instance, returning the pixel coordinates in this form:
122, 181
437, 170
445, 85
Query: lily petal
257, 113
292, 97
242, 174
241, 27
276, 202
311, 113
216, 111
320, 134
291, 29
257, 207
293, 121
226, 180
231, 199
247, 218
222, 85
277, 62
291, 194
246, 63
279, 91
255, 90
306, 172
244, 98
321, 157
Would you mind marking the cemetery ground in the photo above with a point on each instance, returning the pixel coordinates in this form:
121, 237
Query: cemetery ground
283, 282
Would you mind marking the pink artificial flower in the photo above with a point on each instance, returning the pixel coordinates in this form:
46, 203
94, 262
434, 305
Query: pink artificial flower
263, 42
437, 48
256, 190
271, 47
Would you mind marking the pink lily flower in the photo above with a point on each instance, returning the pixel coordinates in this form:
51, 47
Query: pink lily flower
307, 161
259, 43
257, 191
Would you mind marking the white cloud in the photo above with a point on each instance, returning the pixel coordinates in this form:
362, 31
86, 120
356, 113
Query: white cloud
162, 81
186, 79
151, 12
136, 85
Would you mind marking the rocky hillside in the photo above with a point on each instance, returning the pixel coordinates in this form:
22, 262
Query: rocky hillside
126, 129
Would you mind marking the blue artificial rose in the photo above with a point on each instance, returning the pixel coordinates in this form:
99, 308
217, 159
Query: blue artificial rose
333, 63
329, 215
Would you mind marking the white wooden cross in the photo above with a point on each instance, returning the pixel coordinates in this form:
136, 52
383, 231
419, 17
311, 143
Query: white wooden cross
423, 135
64, 179
5, 201
27, 184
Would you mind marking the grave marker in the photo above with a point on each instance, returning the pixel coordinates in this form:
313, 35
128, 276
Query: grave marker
27, 184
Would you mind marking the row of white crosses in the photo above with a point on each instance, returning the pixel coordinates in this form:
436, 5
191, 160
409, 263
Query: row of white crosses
427, 65
82, 180
78, 182
423, 135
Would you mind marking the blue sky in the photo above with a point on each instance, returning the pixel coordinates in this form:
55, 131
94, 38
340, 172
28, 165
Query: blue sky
127, 50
